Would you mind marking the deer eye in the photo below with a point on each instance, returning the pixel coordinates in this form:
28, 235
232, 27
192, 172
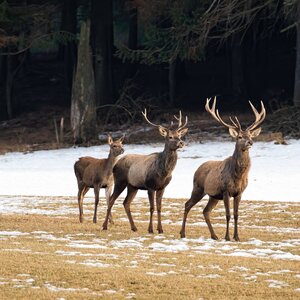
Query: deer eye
240, 137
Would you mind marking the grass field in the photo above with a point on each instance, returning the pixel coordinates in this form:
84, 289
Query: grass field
47, 254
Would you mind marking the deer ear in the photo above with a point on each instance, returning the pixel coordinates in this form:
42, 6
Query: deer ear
256, 132
182, 132
162, 131
109, 139
121, 139
233, 132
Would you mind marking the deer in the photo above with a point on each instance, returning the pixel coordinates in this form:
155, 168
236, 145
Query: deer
97, 173
222, 180
152, 172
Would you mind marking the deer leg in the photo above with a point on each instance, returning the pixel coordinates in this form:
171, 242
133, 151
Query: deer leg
151, 202
81, 189
196, 196
118, 189
159, 195
226, 199
107, 196
211, 204
131, 192
96, 192
236, 203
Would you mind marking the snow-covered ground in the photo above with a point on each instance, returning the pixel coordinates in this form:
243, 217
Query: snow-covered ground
274, 175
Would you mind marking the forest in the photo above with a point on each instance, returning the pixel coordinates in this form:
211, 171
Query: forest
103, 62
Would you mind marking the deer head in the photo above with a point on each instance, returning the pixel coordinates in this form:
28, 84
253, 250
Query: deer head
172, 136
243, 137
116, 147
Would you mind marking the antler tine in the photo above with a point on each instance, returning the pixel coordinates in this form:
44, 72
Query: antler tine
146, 118
179, 119
259, 117
215, 113
236, 123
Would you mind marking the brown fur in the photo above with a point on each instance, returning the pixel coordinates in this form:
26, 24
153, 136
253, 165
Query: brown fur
96, 173
221, 180
151, 172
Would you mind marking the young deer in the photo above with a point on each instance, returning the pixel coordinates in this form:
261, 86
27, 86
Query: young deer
151, 172
97, 173
221, 180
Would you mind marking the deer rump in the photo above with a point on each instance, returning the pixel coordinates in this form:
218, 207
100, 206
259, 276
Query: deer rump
141, 172
86, 168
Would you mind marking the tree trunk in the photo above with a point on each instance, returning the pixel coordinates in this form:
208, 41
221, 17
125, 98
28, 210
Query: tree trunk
102, 41
172, 82
297, 69
8, 87
67, 52
237, 73
132, 37
83, 108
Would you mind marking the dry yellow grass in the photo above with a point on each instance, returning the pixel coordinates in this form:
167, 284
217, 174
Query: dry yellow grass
54, 256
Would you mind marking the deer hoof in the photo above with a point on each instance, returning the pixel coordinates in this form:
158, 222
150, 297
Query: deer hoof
94, 221
160, 231
236, 238
227, 238
214, 237
182, 234
150, 230
134, 229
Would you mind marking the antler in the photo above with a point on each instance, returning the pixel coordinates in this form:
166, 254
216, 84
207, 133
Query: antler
215, 114
146, 118
259, 117
179, 119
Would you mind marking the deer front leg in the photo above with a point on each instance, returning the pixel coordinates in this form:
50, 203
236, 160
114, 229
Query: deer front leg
196, 196
118, 189
159, 195
151, 202
226, 199
211, 204
107, 196
236, 203
131, 192
96, 192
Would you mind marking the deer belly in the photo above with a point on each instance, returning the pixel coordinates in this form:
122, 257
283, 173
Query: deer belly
157, 183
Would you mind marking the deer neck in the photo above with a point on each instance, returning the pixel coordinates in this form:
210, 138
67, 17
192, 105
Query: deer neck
110, 162
240, 163
166, 162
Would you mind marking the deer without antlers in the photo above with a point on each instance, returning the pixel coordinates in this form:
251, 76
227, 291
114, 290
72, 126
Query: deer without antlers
227, 178
151, 172
97, 173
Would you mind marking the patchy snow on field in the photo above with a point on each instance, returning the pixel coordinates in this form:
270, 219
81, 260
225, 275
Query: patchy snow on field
274, 174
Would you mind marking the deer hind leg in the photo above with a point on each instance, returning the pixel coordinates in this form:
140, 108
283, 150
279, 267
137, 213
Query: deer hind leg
82, 190
197, 195
118, 189
159, 195
131, 192
236, 203
96, 192
151, 194
211, 204
107, 196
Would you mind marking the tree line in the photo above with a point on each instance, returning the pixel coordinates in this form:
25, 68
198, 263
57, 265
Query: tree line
113, 50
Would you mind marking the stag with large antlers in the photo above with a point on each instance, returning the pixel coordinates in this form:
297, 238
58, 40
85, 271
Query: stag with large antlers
151, 172
221, 180
97, 173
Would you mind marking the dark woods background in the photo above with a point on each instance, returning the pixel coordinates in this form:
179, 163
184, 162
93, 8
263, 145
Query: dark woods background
104, 61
